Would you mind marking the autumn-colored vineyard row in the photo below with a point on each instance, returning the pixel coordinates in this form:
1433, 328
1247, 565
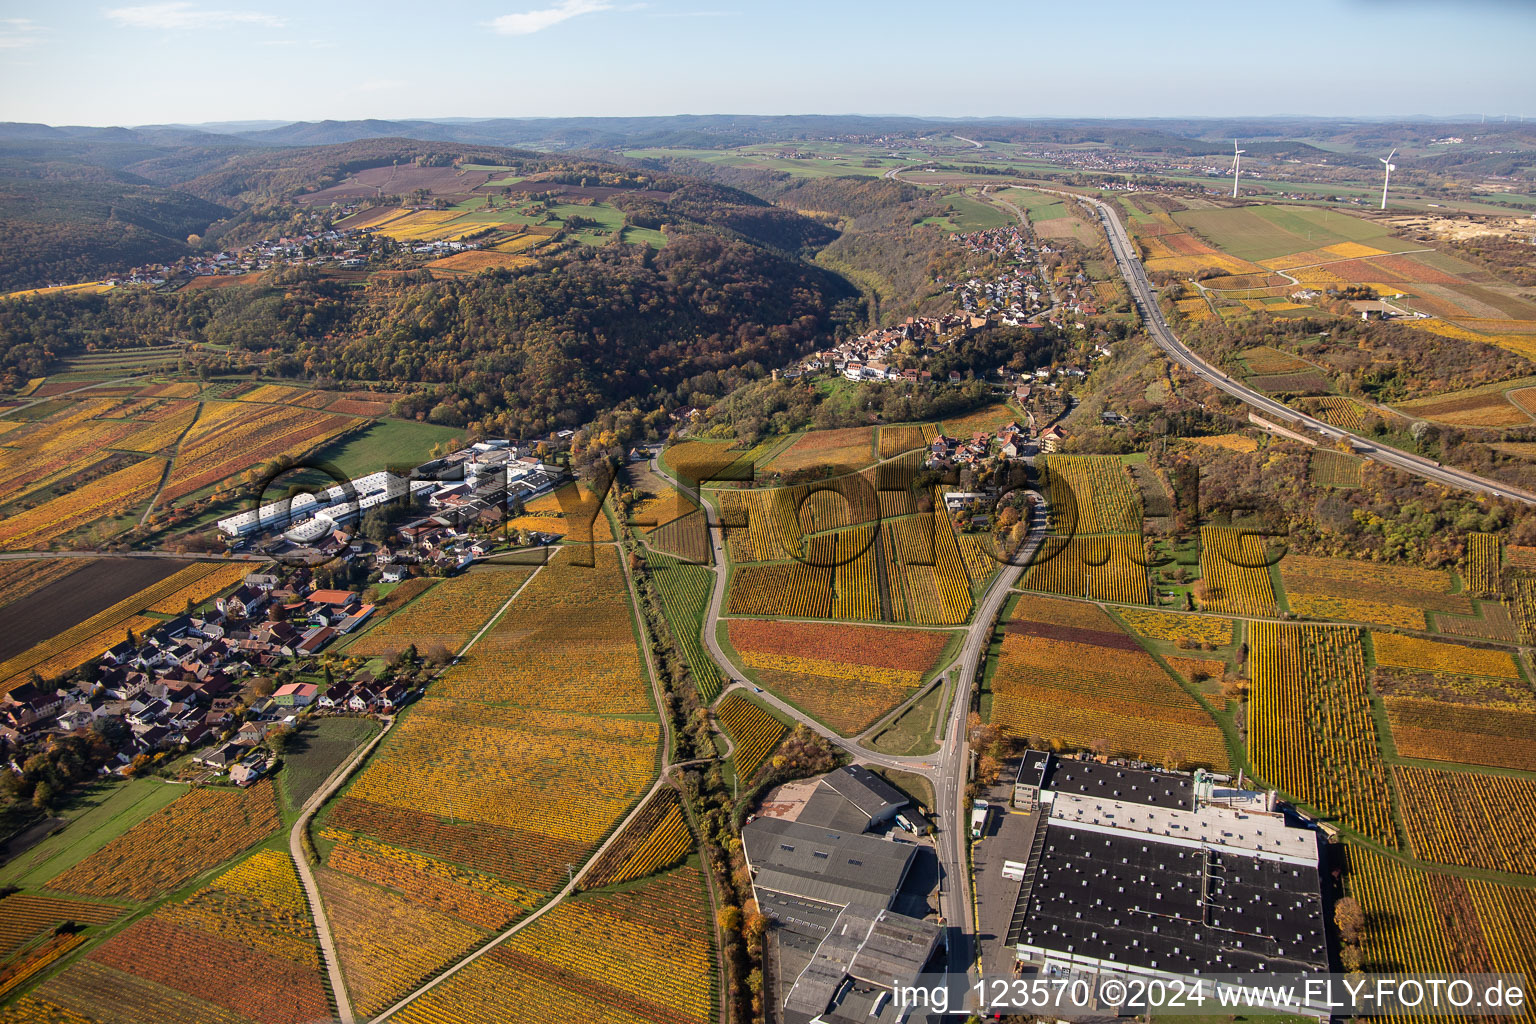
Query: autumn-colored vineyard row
1176, 628
1477, 821
685, 591
103, 497
1092, 687
471, 896
88, 639
24, 916
388, 942
234, 437
1234, 570
175, 844
754, 731
641, 955
567, 644
504, 766
242, 948
1092, 494
1104, 568
658, 838
1484, 564
1420, 922
1310, 731
451, 612
847, 676
1394, 650
1438, 731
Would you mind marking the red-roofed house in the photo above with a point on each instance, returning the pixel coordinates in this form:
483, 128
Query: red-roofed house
296, 695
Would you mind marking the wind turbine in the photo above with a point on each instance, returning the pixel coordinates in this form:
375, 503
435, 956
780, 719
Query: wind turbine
1386, 162
1237, 159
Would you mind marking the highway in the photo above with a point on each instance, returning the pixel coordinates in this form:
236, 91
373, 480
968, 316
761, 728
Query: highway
1145, 298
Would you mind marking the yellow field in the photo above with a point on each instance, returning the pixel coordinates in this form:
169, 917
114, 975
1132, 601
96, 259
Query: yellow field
94, 287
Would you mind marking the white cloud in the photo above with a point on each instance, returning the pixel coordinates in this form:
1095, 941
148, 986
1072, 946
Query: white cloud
529, 22
182, 15
18, 32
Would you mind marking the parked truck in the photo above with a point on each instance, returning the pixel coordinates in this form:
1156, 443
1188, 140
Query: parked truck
979, 812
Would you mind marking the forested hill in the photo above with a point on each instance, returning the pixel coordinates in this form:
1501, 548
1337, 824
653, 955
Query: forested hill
576, 330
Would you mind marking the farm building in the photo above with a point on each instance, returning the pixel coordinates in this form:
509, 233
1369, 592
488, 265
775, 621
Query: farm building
1137, 872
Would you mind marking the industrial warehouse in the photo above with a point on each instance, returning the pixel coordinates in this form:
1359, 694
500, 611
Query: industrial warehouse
1106, 869
835, 892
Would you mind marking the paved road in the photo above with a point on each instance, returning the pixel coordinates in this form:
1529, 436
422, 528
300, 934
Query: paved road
1145, 298
948, 769
307, 877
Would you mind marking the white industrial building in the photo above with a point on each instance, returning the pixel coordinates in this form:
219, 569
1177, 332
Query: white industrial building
338, 503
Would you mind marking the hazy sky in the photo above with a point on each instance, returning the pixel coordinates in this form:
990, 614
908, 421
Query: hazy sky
71, 62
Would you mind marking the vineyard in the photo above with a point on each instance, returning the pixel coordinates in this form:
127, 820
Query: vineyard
28, 941
242, 947
567, 644
685, 594
1395, 650
1328, 468
1092, 687
754, 731
1484, 564
846, 676
656, 839
388, 943
471, 896
1310, 731
847, 448
1421, 922
177, 843
686, 537
990, 418
1092, 494
1105, 568
216, 580
448, 614
550, 783
1522, 589
24, 916
896, 440
1354, 591
1475, 821
1437, 731
641, 955
923, 578
230, 438
1234, 570
101, 498
27, 576
1178, 629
